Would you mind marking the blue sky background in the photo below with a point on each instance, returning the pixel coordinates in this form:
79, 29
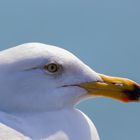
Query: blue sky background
105, 34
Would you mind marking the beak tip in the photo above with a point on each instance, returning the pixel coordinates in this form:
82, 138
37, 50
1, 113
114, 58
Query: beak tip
133, 95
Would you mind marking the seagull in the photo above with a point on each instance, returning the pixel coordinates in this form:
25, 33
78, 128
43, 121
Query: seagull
39, 87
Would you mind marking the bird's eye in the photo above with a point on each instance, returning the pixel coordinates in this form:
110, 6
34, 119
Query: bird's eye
51, 67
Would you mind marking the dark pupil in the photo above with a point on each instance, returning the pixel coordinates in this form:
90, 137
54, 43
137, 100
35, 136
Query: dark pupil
52, 68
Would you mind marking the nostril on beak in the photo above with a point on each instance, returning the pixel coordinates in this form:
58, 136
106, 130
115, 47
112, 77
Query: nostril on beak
119, 85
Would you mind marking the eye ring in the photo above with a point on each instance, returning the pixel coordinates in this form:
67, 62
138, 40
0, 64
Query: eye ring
51, 67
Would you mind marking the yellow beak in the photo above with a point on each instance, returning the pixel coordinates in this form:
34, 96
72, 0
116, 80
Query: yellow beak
114, 87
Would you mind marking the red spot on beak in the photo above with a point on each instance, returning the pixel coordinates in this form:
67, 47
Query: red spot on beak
126, 99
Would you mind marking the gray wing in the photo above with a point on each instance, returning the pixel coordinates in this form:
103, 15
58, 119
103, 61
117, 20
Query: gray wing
8, 133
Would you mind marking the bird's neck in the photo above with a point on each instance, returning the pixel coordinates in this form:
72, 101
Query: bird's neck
43, 116
39, 125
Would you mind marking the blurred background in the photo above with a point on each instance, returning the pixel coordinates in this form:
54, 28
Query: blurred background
104, 34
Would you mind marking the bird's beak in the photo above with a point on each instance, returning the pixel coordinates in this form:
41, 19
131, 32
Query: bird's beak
114, 87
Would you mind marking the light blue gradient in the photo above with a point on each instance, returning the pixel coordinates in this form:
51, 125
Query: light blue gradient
105, 34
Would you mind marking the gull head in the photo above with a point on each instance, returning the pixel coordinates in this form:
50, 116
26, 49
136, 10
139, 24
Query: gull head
38, 77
